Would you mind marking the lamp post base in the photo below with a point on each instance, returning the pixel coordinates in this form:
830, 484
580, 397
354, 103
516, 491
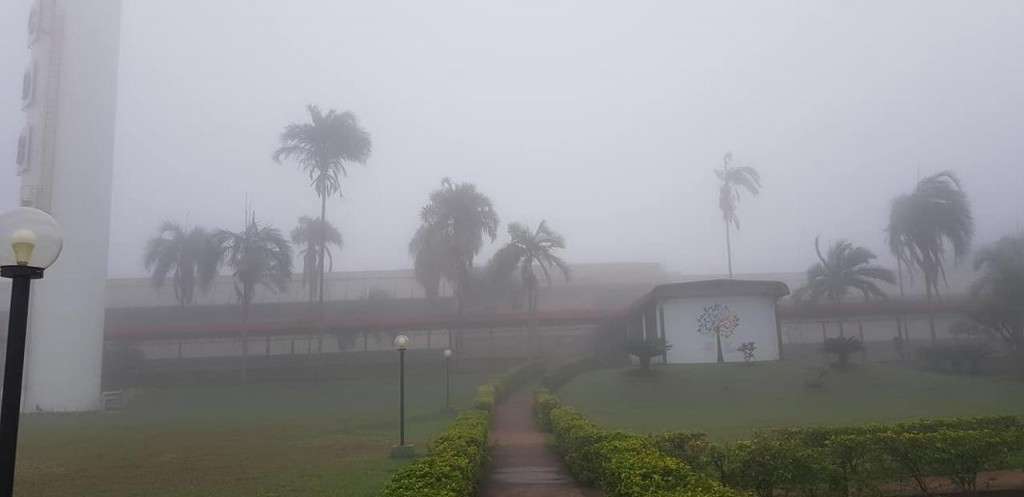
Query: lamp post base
407, 451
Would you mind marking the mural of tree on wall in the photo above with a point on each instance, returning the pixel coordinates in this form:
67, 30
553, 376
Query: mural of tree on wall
718, 320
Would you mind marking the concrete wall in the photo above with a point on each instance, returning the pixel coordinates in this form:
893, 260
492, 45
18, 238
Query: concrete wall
75, 110
756, 324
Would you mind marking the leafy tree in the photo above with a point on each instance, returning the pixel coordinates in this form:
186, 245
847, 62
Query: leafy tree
733, 179
647, 349
1001, 289
323, 147
527, 251
307, 234
921, 225
454, 224
720, 321
842, 348
845, 268
258, 256
190, 257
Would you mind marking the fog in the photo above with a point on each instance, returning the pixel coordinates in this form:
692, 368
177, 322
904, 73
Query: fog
603, 118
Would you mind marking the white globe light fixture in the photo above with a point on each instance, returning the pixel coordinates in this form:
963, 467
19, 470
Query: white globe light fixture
30, 242
401, 342
29, 237
447, 353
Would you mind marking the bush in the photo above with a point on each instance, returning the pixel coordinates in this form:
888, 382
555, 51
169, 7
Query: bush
621, 464
454, 465
842, 348
964, 357
647, 349
457, 458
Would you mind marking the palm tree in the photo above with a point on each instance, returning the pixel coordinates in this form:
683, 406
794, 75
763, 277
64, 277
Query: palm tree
846, 268
733, 179
454, 224
191, 257
923, 222
258, 256
1001, 289
307, 235
526, 251
323, 147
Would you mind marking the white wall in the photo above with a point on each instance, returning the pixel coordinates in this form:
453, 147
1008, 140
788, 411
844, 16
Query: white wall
757, 324
65, 342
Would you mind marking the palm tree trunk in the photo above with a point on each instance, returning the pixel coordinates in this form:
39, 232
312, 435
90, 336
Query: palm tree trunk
931, 313
322, 249
899, 273
728, 248
531, 325
245, 334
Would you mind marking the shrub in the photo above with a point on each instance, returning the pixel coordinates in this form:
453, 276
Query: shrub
485, 397
454, 465
622, 464
963, 356
842, 348
647, 349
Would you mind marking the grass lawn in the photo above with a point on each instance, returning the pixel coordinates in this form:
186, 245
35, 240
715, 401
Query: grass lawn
728, 401
259, 440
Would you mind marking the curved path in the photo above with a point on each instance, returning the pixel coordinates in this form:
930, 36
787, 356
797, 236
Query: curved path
521, 463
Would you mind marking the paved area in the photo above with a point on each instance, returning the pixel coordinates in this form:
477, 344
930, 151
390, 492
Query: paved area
521, 463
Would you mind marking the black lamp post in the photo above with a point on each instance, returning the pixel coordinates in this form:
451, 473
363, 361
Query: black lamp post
447, 379
34, 242
402, 450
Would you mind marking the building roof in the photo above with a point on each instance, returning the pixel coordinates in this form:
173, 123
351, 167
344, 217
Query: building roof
711, 288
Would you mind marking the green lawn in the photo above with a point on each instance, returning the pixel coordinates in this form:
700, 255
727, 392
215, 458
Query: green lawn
728, 401
259, 440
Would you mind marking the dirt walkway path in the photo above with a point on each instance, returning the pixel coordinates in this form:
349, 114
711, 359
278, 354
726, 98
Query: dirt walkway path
521, 463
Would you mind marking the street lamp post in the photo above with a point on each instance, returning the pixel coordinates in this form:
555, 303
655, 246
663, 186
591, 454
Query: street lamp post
447, 379
30, 241
402, 450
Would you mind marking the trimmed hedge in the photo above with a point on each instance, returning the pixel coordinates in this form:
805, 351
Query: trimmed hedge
855, 460
622, 464
454, 465
457, 457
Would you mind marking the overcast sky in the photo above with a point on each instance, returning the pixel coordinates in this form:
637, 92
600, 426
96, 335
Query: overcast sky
605, 118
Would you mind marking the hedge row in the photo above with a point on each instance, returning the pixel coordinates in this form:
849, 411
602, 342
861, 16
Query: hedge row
457, 457
622, 464
487, 395
857, 460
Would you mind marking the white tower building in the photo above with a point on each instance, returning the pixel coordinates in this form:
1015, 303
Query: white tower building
65, 159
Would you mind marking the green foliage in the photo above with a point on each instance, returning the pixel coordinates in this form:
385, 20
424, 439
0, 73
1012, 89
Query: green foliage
647, 349
454, 465
964, 356
457, 458
622, 464
842, 348
485, 398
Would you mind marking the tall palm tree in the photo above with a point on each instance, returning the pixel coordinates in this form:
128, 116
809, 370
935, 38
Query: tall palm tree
323, 147
844, 269
307, 234
190, 257
258, 256
528, 250
1001, 289
733, 179
922, 223
453, 226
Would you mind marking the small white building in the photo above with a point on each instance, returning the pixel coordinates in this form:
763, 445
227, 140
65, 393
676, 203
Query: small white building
708, 321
